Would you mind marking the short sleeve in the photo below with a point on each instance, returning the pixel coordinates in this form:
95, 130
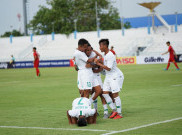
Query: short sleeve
83, 57
169, 49
110, 61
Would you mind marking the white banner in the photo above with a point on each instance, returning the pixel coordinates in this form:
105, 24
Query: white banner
152, 59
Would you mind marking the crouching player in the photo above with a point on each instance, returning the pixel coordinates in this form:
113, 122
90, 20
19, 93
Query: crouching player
81, 112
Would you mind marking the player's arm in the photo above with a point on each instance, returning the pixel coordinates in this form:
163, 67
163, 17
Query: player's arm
92, 119
165, 52
104, 66
69, 118
175, 54
98, 54
88, 65
95, 117
76, 67
90, 60
97, 70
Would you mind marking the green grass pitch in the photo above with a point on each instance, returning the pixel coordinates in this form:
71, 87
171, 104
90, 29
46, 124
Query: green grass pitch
149, 95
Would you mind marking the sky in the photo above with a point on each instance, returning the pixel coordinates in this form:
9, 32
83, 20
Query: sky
9, 9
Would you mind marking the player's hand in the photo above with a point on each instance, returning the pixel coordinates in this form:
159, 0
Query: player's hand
95, 60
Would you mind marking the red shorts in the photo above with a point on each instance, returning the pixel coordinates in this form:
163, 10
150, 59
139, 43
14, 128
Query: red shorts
36, 64
171, 59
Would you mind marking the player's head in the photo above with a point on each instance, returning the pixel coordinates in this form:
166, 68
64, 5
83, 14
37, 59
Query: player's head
112, 47
168, 43
82, 121
34, 49
89, 50
82, 44
104, 44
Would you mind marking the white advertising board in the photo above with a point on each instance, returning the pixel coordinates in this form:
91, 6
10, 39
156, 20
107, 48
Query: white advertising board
152, 59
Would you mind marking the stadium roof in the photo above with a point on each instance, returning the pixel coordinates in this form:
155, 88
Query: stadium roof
150, 5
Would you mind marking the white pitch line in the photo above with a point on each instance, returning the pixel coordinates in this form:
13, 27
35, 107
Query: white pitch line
177, 85
143, 126
76, 129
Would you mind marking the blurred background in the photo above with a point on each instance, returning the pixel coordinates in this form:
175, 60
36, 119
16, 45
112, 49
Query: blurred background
136, 28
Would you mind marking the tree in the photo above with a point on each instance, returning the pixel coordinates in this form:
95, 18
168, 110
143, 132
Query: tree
62, 13
15, 33
127, 25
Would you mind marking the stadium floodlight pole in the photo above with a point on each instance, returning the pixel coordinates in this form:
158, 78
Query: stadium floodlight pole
25, 16
75, 21
75, 32
97, 20
122, 23
176, 25
53, 31
148, 25
52, 26
122, 19
11, 29
11, 36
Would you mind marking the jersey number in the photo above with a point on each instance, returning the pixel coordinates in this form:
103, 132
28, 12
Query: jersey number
89, 84
79, 102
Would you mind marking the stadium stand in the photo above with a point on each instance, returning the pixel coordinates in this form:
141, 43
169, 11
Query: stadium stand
63, 47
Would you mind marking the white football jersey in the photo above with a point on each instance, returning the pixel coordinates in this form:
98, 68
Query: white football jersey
80, 59
81, 104
110, 62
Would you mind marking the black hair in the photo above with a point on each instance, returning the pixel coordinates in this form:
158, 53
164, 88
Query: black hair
104, 41
167, 42
89, 44
82, 122
82, 41
34, 48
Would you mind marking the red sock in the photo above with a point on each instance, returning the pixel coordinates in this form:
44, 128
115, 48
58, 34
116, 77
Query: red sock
37, 71
168, 65
176, 65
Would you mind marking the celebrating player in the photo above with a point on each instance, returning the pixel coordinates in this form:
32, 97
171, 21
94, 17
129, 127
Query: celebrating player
81, 112
85, 75
172, 54
113, 81
97, 81
36, 61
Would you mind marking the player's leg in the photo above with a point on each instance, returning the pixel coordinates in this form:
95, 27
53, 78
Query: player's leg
97, 92
104, 103
94, 102
116, 85
168, 65
109, 100
118, 105
81, 93
176, 65
86, 93
37, 71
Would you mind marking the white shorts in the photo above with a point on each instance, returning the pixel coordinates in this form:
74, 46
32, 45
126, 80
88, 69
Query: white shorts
85, 79
113, 84
85, 112
97, 80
